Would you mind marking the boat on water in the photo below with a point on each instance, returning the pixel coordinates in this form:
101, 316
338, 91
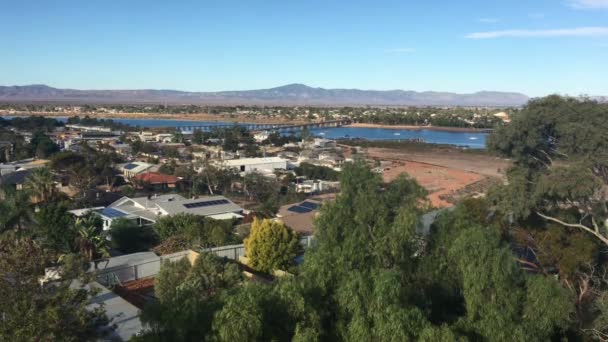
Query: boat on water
396, 133
473, 138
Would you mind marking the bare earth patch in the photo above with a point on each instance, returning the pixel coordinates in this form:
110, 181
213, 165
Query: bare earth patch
448, 174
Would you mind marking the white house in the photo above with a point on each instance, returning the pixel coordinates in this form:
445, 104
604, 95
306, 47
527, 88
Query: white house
256, 164
132, 169
147, 210
261, 136
164, 137
312, 186
147, 136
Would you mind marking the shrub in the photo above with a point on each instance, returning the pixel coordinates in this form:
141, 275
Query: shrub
128, 237
271, 246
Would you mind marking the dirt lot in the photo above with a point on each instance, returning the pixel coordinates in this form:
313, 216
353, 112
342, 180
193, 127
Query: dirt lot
446, 173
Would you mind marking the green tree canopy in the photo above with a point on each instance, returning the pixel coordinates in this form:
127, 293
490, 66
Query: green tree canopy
51, 312
41, 185
560, 149
271, 246
195, 230
188, 296
128, 237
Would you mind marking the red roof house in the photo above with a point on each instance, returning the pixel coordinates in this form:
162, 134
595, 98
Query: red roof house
157, 179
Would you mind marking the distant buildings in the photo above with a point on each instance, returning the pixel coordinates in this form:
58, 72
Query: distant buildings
147, 136
503, 116
89, 128
316, 186
260, 137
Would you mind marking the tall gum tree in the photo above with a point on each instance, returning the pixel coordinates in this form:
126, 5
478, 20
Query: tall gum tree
560, 151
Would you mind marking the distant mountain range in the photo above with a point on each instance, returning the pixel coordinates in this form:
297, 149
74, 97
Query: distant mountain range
292, 94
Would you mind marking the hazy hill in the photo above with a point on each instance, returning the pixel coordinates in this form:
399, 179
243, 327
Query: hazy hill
292, 94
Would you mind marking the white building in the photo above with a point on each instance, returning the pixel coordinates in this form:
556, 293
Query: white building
147, 210
310, 186
132, 169
268, 164
259, 137
147, 136
164, 137
90, 128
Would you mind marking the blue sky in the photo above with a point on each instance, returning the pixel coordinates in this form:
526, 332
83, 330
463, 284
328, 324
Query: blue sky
536, 47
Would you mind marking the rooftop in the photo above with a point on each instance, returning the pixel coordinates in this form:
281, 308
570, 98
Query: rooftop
156, 178
253, 161
17, 177
300, 216
152, 207
136, 167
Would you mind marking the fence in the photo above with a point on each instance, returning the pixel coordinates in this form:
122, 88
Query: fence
234, 252
109, 275
136, 266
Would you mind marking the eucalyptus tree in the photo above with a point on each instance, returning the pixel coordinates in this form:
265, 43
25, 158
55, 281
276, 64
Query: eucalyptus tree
560, 149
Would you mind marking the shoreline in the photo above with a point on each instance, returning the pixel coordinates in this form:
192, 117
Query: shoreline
144, 116
419, 128
220, 118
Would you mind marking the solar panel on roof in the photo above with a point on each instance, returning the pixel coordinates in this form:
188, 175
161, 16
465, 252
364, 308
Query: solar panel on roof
298, 209
112, 213
309, 205
205, 203
130, 166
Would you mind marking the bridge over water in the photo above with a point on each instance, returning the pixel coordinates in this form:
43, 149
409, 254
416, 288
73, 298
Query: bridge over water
267, 127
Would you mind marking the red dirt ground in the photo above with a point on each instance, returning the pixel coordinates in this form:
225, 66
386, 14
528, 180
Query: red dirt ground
440, 172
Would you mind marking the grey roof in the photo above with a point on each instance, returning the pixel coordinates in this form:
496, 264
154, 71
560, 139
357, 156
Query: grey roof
136, 211
126, 260
17, 177
174, 204
177, 207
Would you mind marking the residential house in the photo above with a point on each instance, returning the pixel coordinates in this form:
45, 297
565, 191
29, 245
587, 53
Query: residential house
24, 164
132, 169
122, 149
261, 136
147, 136
164, 137
316, 186
15, 180
268, 164
147, 210
157, 180
331, 157
89, 128
503, 116
300, 216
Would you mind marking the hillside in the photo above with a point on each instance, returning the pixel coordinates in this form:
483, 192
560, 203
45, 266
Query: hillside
292, 94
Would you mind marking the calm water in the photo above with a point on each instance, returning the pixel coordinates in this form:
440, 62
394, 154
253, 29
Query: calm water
465, 139
471, 140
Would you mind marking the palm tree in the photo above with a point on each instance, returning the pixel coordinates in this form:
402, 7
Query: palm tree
91, 241
15, 210
41, 185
